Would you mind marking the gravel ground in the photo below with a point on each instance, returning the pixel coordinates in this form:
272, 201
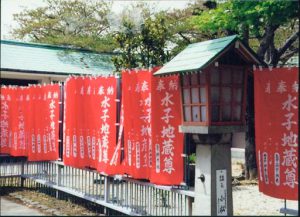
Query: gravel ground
247, 200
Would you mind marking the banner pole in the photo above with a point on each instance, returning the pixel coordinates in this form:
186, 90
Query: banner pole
285, 206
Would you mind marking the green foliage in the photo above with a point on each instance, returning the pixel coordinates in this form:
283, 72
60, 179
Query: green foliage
74, 23
265, 25
152, 39
142, 46
233, 15
192, 158
141, 36
145, 38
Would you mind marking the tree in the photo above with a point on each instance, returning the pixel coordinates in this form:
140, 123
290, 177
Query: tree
142, 38
74, 23
143, 48
147, 38
271, 27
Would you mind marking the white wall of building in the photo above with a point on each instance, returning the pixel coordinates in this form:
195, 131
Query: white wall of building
41, 78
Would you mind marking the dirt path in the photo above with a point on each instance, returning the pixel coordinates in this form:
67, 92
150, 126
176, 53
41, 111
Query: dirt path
46, 204
11, 208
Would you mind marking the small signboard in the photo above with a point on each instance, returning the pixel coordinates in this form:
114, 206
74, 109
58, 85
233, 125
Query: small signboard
221, 186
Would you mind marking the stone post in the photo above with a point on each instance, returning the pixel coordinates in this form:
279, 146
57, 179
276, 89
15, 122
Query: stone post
213, 189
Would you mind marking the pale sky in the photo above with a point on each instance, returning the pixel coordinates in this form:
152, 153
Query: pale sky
10, 7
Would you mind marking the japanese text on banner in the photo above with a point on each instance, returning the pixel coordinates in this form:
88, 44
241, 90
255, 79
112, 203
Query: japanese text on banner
276, 130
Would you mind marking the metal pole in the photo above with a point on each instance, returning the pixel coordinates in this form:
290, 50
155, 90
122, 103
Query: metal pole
58, 178
22, 174
285, 207
61, 118
106, 188
190, 206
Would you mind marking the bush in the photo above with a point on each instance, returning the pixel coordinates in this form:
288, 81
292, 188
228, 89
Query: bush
192, 158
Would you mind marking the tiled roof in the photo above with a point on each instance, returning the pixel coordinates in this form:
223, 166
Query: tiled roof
198, 55
42, 58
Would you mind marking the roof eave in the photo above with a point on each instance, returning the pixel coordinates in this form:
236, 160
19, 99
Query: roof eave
56, 47
43, 72
216, 56
251, 53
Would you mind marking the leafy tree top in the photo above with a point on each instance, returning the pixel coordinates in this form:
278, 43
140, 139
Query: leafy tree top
78, 23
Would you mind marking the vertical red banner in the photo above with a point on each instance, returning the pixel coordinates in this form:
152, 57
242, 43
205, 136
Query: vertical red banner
70, 110
276, 131
90, 123
13, 122
44, 116
5, 120
136, 93
19, 122
107, 89
167, 142
153, 146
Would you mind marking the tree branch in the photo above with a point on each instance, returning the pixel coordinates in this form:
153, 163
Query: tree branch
35, 36
245, 33
266, 40
184, 37
288, 54
288, 43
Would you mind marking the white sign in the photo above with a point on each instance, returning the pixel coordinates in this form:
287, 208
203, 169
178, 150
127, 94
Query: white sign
221, 185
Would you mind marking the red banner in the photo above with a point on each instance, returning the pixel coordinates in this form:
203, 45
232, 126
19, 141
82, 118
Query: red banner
167, 141
14, 123
90, 123
276, 131
44, 126
136, 93
29, 122
153, 146
19, 121
5, 119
